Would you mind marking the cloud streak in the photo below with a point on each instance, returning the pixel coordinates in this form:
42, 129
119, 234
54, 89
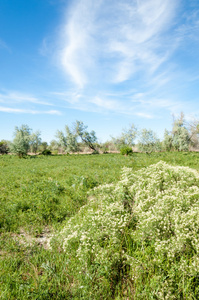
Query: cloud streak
16, 97
118, 57
114, 50
28, 111
114, 40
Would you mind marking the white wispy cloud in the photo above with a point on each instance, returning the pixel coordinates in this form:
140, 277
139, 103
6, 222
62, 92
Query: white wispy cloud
71, 97
17, 97
17, 102
114, 39
144, 115
106, 103
28, 111
189, 28
122, 56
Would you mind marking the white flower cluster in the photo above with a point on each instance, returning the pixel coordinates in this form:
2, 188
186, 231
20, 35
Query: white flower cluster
166, 204
163, 199
94, 234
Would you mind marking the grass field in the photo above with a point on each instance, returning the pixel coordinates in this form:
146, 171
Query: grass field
40, 195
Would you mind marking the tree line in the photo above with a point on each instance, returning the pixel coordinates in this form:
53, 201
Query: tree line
183, 137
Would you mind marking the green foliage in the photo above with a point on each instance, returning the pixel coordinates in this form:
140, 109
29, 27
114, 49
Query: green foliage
31, 187
46, 152
35, 141
43, 146
88, 138
180, 138
54, 146
68, 142
126, 150
128, 135
72, 145
145, 224
148, 141
95, 152
41, 195
168, 141
180, 133
193, 128
25, 140
108, 146
126, 138
4, 148
62, 140
21, 142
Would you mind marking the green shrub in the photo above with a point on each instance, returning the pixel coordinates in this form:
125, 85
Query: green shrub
138, 236
46, 152
95, 152
126, 150
55, 152
3, 147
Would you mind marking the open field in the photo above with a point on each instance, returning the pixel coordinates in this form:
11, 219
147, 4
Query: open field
39, 195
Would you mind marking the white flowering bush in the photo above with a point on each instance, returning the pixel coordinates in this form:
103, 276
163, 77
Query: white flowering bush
92, 240
147, 223
166, 203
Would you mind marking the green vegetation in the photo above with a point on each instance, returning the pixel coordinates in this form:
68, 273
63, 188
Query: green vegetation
126, 138
148, 141
3, 147
25, 140
69, 142
125, 150
134, 237
183, 137
46, 152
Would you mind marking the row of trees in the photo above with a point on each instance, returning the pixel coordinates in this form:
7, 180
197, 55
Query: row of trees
27, 141
182, 137
69, 140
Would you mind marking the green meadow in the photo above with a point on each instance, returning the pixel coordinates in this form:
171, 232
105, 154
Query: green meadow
54, 209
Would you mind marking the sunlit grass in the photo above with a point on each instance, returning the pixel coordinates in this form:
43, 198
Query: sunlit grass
39, 195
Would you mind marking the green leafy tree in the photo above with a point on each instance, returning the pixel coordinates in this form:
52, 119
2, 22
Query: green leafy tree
62, 139
72, 144
54, 146
127, 137
4, 147
193, 128
88, 138
181, 137
108, 146
68, 141
35, 141
168, 141
43, 146
21, 142
148, 141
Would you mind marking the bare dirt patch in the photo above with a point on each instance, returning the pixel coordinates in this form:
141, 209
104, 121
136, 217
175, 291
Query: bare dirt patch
42, 239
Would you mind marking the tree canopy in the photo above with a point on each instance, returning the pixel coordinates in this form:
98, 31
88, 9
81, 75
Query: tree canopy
21, 142
148, 141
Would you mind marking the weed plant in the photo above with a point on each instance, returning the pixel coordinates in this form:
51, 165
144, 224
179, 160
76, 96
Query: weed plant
147, 223
111, 238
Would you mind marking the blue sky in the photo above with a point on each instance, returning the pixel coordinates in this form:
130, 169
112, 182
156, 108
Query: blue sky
108, 63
